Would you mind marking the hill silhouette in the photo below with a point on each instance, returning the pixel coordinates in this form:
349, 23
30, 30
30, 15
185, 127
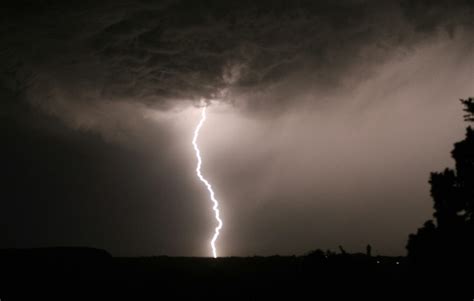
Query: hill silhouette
92, 274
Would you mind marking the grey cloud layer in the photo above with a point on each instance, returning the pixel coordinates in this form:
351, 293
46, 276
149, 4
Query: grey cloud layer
187, 50
352, 169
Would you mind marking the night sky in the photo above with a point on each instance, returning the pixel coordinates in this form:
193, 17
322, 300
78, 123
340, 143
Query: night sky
325, 119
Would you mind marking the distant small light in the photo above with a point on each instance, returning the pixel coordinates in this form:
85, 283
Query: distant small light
397, 262
378, 261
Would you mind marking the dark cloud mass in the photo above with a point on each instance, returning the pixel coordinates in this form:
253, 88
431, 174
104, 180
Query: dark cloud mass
333, 102
186, 50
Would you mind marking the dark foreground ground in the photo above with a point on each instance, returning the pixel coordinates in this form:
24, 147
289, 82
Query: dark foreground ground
91, 274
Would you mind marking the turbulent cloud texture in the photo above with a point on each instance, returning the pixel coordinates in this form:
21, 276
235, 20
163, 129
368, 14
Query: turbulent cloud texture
259, 52
324, 115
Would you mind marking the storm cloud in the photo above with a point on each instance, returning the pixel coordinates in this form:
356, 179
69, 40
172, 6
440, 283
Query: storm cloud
341, 110
259, 53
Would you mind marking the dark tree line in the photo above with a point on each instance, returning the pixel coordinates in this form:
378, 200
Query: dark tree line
450, 237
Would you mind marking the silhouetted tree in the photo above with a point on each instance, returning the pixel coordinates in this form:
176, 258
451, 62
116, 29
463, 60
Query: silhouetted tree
368, 250
451, 236
342, 250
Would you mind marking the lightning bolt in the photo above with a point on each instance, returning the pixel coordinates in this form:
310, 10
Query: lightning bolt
215, 207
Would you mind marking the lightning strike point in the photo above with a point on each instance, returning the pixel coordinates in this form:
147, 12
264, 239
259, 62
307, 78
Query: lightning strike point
215, 206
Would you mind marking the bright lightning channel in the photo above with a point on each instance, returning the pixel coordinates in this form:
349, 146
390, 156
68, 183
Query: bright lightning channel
208, 185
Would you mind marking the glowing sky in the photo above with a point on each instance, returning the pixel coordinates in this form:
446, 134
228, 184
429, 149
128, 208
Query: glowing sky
324, 121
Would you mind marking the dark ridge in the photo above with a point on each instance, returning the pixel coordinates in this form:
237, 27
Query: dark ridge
93, 274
